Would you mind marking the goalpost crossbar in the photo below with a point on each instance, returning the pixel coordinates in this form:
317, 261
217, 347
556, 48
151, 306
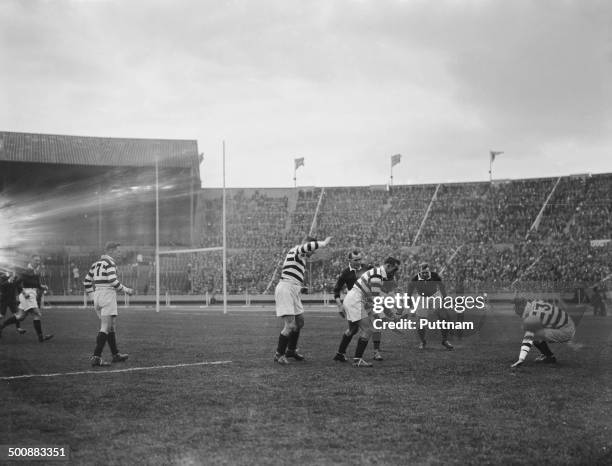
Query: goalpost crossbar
186, 251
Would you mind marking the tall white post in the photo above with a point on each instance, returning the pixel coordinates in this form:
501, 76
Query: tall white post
224, 241
157, 280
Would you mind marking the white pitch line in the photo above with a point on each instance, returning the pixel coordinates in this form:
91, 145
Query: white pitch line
131, 369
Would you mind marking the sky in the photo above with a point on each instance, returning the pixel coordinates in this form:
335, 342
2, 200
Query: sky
344, 84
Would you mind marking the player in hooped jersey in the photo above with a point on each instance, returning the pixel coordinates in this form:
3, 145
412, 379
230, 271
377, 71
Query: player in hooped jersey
347, 278
102, 284
358, 306
543, 322
287, 297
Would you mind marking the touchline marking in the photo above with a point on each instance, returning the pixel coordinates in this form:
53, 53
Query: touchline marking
130, 369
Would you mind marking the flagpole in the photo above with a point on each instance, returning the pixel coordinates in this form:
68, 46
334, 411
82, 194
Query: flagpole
294, 175
492, 155
391, 183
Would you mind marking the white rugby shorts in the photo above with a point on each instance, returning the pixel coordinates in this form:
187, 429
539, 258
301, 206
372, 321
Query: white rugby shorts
105, 301
557, 335
354, 305
287, 298
27, 299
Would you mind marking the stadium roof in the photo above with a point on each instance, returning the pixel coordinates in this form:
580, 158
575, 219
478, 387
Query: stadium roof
86, 150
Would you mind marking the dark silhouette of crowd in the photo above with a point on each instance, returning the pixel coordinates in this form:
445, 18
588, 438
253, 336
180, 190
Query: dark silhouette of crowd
550, 233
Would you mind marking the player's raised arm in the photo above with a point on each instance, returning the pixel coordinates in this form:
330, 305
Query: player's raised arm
312, 244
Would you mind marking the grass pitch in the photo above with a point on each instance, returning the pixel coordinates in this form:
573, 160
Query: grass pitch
415, 407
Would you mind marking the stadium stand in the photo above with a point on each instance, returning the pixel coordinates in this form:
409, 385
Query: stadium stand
485, 228
551, 232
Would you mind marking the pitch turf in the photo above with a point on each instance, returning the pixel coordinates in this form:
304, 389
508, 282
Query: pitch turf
415, 407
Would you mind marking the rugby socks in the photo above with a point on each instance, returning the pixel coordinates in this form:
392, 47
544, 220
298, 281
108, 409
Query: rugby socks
9, 321
38, 328
361, 346
376, 341
543, 347
112, 342
346, 339
100, 342
421, 333
293, 339
444, 333
282, 344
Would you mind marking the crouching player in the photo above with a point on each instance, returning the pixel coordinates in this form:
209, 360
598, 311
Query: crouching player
358, 308
543, 322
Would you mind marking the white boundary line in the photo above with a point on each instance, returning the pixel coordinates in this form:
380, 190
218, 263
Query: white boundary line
131, 369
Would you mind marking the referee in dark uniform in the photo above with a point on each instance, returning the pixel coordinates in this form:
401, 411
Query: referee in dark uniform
428, 283
347, 278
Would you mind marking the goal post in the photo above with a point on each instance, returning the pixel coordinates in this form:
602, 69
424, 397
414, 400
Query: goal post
188, 271
159, 253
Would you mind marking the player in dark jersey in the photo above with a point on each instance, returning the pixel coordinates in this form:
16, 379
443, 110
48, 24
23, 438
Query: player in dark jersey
35, 267
427, 283
8, 296
347, 278
29, 287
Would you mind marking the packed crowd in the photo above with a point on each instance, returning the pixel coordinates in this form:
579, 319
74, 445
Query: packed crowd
478, 235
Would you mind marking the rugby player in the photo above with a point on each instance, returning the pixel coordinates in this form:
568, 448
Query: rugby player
428, 284
543, 322
347, 278
29, 288
8, 297
358, 306
102, 284
287, 297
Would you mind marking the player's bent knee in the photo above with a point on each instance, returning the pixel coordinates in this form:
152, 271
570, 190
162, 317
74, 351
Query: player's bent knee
106, 324
287, 328
299, 322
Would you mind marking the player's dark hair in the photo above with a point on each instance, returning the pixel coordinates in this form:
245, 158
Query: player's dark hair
392, 261
354, 254
310, 238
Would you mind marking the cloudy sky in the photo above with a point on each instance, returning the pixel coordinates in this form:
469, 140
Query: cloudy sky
344, 84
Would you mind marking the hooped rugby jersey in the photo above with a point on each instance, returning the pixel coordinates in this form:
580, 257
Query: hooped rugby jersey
102, 274
550, 315
370, 283
294, 264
